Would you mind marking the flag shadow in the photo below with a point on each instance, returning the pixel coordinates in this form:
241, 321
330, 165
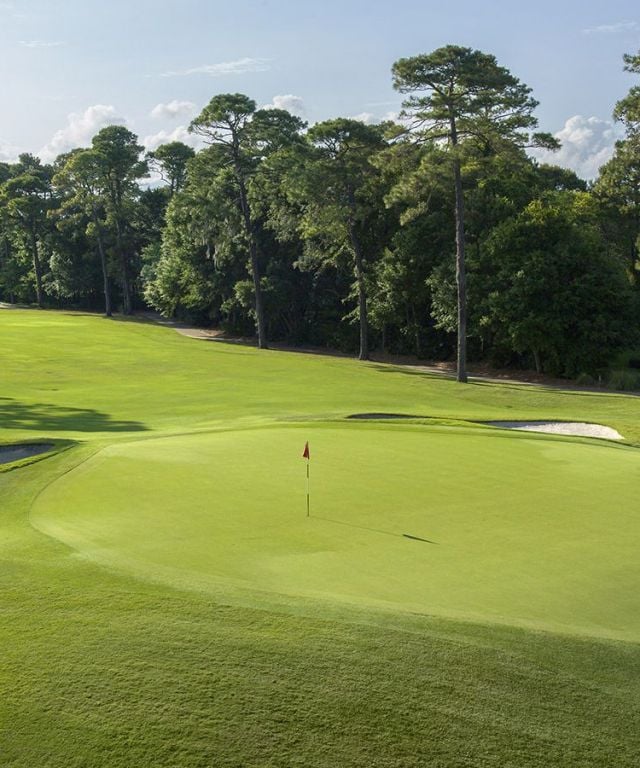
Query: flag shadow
374, 530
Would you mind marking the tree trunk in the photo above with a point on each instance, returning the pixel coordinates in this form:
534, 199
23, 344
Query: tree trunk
124, 271
37, 266
636, 236
633, 255
536, 360
461, 274
255, 266
362, 293
105, 280
257, 288
116, 195
105, 274
362, 310
416, 331
359, 270
126, 289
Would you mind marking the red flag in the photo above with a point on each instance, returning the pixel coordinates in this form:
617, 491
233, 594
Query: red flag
306, 454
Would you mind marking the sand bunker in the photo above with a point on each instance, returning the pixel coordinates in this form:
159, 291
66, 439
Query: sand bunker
580, 429
575, 428
9, 453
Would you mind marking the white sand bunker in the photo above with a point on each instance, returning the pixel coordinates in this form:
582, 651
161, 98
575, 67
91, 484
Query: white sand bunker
580, 429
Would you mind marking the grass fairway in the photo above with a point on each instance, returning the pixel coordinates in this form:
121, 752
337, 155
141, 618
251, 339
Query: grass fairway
166, 602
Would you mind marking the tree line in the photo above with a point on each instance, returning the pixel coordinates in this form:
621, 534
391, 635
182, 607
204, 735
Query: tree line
437, 235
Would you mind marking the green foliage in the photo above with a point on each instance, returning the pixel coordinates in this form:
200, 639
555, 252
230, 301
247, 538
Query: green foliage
618, 190
120, 166
171, 160
26, 197
586, 380
179, 275
627, 110
565, 301
623, 380
243, 137
458, 96
465, 92
337, 191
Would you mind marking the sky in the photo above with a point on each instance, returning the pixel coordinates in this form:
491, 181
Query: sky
70, 67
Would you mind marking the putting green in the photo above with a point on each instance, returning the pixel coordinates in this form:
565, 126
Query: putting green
515, 529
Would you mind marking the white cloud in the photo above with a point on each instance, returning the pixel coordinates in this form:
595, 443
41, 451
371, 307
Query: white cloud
80, 129
368, 118
291, 103
177, 134
394, 103
11, 9
8, 152
41, 43
172, 109
612, 29
238, 67
587, 144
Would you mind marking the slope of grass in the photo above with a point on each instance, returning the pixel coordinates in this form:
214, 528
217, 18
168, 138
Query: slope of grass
140, 627
83, 376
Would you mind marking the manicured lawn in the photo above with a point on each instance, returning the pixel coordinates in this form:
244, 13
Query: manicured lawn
514, 529
87, 377
166, 602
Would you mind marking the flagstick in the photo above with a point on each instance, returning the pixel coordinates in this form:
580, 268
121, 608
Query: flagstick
308, 512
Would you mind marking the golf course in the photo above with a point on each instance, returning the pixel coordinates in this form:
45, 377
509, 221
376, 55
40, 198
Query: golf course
455, 594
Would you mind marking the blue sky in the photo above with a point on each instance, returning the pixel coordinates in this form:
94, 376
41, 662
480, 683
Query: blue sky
68, 67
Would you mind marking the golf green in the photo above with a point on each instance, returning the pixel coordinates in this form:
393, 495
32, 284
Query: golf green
447, 521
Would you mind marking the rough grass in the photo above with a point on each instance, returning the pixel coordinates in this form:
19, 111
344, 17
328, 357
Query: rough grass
107, 663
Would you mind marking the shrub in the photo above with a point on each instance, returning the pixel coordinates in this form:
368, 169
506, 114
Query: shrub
623, 381
586, 380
